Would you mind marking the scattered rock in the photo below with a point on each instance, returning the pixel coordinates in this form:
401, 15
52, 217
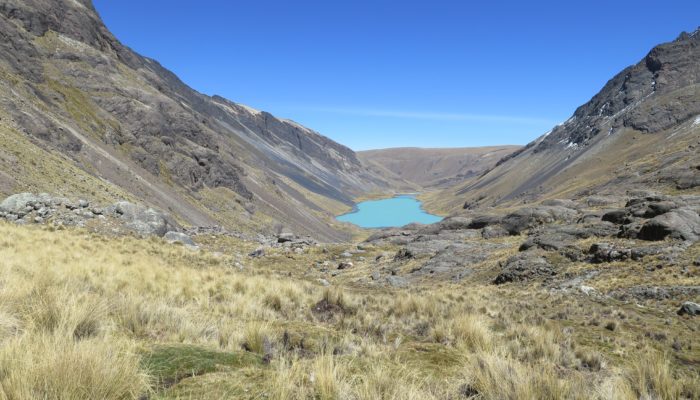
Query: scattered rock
655, 292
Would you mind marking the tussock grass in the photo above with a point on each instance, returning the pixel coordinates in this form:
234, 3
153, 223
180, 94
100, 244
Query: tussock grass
90, 317
48, 366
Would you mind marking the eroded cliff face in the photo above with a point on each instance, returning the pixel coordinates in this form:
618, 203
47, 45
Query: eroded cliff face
71, 87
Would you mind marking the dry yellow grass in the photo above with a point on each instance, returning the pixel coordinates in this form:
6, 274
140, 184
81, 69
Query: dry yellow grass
85, 317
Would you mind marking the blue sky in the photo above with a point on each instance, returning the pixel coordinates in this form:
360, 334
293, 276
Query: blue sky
375, 74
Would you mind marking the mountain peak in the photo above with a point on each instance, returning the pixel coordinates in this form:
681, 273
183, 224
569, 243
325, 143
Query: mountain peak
689, 35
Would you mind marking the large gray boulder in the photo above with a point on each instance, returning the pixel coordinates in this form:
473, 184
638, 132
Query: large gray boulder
682, 223
17, 203
143, 220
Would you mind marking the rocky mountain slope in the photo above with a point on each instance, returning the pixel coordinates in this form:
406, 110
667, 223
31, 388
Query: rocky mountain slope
641, 130
83, 115
430, 168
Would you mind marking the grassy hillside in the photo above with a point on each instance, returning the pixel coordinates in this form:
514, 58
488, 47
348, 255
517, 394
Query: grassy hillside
117, 318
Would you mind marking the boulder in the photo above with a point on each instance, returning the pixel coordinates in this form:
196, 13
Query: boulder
142, 220
689, 308
615, 216
606, 252
484, 220
178, 237
530, 217
524, 267
18, 203
681, 223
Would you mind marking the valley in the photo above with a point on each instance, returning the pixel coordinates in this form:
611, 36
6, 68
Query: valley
161, 243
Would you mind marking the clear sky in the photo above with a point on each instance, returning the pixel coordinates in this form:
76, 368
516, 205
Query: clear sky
378, 73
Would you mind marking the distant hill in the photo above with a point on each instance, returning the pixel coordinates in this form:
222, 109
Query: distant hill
429, 168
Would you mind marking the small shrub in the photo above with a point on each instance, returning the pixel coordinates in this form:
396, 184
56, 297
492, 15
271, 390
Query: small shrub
257, 338
592, 361
650, 377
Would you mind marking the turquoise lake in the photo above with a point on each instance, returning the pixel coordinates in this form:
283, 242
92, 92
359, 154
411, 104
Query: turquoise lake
393, 212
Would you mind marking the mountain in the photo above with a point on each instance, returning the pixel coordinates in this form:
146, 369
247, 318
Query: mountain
642, 130
83, 115
429, 168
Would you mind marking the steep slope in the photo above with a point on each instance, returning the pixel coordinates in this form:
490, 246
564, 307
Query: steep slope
641, 130
429, 168
78, 100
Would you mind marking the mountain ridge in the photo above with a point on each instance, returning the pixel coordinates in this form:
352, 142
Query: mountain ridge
74, 88
644, 113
